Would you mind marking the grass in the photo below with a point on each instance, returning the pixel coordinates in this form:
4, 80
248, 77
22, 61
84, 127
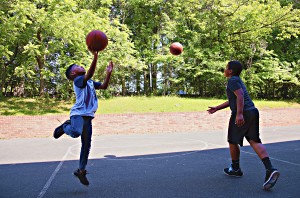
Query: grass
154, 104
23, 106
29, 106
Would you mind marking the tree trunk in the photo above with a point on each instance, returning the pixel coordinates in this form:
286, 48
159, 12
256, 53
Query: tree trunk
41, 64
165, 78
2, 83
42, 81
146, 82
123, 86
138, 81
154, 80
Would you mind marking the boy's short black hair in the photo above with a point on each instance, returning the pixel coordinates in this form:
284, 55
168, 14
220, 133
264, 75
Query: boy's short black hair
68, 72
236, 67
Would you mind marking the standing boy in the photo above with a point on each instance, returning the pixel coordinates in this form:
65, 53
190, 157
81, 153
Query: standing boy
83, 111
244, 122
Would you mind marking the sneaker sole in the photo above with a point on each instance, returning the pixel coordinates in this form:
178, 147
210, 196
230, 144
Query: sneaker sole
271, 181
232, 175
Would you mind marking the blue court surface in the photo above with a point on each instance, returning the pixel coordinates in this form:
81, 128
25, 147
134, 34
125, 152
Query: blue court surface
148, 165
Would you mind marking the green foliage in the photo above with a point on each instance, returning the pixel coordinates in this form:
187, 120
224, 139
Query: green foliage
41, 38
50, 35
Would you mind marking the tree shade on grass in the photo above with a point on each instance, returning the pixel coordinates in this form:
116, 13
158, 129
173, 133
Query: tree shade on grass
120, 105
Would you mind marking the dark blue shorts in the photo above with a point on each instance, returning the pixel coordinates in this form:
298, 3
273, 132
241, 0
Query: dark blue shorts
250, 130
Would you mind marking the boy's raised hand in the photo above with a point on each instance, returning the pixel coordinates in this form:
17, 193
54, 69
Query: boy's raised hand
110, 67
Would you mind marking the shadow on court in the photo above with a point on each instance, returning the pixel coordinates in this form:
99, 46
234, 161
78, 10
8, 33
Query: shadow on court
195, 173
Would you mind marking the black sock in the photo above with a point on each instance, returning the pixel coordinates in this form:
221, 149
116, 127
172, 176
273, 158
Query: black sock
235, 164
266, 161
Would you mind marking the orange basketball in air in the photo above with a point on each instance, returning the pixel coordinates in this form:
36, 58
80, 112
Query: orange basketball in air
96, 40
176, 48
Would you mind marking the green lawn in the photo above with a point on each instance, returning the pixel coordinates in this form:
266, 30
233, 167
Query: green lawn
28, 106
21, 106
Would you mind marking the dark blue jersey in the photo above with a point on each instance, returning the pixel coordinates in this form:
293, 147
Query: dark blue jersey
235, 83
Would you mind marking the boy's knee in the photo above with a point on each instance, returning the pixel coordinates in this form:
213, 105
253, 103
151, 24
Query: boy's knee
75, 133
72, 131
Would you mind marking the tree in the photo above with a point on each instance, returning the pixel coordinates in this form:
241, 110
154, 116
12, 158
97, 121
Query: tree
50, 35
40, 38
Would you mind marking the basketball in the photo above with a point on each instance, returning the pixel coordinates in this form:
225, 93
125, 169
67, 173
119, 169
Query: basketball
176, 48
96, 41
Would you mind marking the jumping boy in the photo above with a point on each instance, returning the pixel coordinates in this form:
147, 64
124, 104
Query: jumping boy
244, 122
83, 111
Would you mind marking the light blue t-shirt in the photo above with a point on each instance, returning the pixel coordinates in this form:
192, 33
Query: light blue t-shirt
86, 99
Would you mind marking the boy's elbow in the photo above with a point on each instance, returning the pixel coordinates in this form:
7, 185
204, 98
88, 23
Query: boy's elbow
103, 87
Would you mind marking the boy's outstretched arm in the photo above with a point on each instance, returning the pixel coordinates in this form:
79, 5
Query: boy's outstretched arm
109, 70
239, 120
92, 68
212, 110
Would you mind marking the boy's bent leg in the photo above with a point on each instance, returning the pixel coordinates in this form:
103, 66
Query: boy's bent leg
74, 129
272, 174
259, 148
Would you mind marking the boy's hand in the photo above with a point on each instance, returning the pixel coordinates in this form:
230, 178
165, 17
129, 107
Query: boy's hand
239, 120
110, 67
95, 53
212, 110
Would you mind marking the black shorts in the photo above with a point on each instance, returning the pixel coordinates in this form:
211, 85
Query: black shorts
250, 130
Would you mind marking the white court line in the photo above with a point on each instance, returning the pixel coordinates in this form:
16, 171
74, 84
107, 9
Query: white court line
287, 162
48, 183
185, 142
69, 151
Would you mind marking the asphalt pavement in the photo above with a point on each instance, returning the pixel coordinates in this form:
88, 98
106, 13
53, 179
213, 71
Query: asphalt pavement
148, 165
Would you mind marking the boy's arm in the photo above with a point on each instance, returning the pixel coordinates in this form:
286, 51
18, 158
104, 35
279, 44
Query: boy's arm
109, 69
224, 105
239, 120
92, 68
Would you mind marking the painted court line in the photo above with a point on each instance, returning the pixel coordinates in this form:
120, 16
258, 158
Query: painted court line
284, 161
287, 162
70, 148
48, 183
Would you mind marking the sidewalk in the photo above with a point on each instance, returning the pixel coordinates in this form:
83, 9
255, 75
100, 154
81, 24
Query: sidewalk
43, 126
